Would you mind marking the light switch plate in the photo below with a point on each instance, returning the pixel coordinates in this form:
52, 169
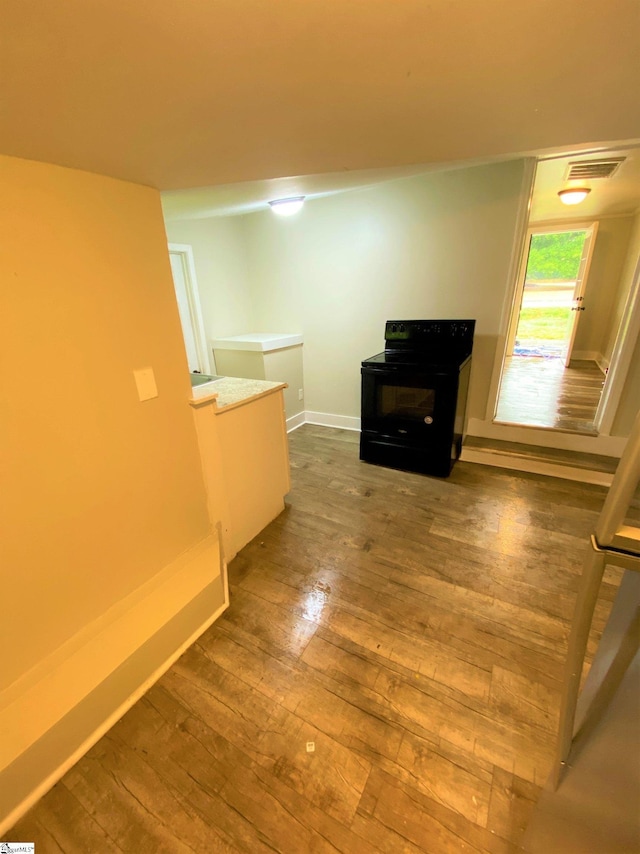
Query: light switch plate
145, 383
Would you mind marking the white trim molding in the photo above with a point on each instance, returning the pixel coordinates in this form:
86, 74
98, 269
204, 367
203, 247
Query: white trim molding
544, 467
296, 421
591, 356
606, 446
55, 712
326, 419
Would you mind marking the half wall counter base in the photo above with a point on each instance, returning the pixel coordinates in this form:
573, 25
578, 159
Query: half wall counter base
242, 433
56, 712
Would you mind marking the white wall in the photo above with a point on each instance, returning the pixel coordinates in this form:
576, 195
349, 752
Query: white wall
434, 246
220, 262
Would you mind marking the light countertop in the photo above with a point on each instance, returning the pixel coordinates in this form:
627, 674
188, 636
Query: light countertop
232, 391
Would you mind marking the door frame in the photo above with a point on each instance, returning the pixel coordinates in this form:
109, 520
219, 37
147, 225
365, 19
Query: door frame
627, 336
581, 280
185, 251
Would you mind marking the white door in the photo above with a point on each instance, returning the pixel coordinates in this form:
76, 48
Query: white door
187, 297
185, 311
581, 283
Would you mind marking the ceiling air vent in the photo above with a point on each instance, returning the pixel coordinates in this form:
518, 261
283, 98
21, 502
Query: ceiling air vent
588, 170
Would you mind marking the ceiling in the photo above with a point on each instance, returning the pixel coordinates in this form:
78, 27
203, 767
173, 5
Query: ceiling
216, 92
251, 196
617, 195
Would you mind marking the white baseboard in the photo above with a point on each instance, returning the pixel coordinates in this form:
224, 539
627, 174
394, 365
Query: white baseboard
606, 446
586, 355
592, 356
54, 713
518, 463
326, 419
295, 421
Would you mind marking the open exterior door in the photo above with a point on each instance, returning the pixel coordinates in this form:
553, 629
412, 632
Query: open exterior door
581, 283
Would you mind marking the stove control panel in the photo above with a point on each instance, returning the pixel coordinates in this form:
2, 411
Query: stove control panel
428, 333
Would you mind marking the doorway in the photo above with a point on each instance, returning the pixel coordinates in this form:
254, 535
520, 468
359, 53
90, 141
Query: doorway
187, 297
590, 369
542, 384
551, 291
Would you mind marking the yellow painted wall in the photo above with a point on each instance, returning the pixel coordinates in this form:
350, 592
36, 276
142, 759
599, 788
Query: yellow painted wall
99, 491
630, 400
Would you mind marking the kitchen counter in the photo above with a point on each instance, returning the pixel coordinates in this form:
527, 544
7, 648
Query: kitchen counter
243, 443
229, 392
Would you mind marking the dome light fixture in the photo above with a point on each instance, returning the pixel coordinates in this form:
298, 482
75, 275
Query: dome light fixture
574, 195
287, 207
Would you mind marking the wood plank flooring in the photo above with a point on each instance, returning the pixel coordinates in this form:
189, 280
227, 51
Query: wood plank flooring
541, 392
412, 629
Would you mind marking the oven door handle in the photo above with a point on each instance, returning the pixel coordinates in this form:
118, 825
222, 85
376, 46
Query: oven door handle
430, 375
375, 370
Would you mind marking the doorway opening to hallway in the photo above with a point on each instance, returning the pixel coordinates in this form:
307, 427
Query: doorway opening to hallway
542, 385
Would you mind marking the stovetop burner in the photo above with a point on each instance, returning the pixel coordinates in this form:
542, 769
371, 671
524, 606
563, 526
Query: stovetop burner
439, 340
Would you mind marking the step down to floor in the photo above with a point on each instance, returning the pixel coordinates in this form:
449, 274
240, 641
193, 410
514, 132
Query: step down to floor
571, 465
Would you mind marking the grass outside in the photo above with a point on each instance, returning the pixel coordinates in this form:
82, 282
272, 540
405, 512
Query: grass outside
543, 324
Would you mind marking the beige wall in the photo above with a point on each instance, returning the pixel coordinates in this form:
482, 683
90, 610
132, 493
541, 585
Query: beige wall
630, 400
434, 246
219, 258
438, 245
626, 280
284, 365
99, 491
603, 291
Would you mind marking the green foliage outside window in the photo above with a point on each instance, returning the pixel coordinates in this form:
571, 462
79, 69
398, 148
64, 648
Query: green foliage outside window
555, 256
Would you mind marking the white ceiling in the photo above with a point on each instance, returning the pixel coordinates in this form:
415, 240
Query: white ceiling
251, 196
192, 93
614, 196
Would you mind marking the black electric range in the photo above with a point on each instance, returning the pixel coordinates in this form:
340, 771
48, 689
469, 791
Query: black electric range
414, 395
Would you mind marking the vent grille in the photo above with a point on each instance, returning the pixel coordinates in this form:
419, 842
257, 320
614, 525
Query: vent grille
589, 170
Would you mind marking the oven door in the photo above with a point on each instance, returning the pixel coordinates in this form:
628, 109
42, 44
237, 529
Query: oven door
408, 404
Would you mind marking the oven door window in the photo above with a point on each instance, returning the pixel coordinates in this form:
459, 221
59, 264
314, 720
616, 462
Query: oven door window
409, 406
405, 402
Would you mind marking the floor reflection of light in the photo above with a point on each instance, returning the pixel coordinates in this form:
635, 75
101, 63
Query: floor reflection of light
315, 601
513, 536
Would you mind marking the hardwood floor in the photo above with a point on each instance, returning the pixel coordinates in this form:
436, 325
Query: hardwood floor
543, 393
411, 629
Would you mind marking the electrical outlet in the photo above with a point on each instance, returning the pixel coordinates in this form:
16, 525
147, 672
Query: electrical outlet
300, 394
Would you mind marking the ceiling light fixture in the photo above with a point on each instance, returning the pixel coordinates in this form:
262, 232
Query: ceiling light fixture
287, 207
573, 195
